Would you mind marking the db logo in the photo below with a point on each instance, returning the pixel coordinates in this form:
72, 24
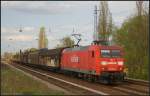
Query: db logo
74, 59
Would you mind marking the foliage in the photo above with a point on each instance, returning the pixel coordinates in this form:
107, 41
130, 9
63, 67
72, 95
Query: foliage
105, 21
133, 36
65, 42
33, 49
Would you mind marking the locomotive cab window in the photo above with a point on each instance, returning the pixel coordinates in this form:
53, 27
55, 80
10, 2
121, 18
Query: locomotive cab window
115, 53
105, 53
110, 53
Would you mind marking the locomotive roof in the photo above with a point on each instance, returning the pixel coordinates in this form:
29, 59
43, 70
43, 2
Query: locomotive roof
51, 51
58, 50
77, 48
110, 47
86, 47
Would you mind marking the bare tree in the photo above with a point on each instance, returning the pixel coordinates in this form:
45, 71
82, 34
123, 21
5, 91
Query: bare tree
110, 25
139, 5
105, 21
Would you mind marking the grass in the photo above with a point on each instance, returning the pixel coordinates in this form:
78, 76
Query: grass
14, 82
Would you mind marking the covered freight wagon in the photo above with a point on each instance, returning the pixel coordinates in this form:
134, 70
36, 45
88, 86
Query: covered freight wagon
50, 57
45, 58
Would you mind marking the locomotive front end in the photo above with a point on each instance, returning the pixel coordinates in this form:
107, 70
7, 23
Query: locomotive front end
111, 64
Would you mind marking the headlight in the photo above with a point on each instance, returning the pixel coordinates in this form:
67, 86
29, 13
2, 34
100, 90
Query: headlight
104, 63
120, 63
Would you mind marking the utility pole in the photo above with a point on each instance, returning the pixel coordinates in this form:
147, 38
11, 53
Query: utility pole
95, 35
102, 29
95, 24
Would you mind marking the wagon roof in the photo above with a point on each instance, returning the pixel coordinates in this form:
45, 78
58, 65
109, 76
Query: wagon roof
51, 51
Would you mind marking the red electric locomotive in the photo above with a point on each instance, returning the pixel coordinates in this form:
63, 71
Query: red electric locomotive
101, 62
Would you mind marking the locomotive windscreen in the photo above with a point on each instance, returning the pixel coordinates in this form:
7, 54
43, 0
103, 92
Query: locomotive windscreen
115, 53
110, 53
105, 53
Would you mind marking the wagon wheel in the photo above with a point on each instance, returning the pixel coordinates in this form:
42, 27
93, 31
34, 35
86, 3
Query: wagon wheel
90, 78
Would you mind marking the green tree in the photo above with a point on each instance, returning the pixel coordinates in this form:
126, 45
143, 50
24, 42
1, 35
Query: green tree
65, 42
133, 37
33, 49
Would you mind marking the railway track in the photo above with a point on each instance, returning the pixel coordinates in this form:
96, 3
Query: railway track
137, 81
81, 87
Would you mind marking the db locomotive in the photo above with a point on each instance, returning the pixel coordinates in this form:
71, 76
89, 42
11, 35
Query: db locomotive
94, 62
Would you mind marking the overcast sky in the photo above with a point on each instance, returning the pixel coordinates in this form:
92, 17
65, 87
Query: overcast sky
58, 17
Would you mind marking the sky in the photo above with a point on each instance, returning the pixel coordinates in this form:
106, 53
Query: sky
58, 17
